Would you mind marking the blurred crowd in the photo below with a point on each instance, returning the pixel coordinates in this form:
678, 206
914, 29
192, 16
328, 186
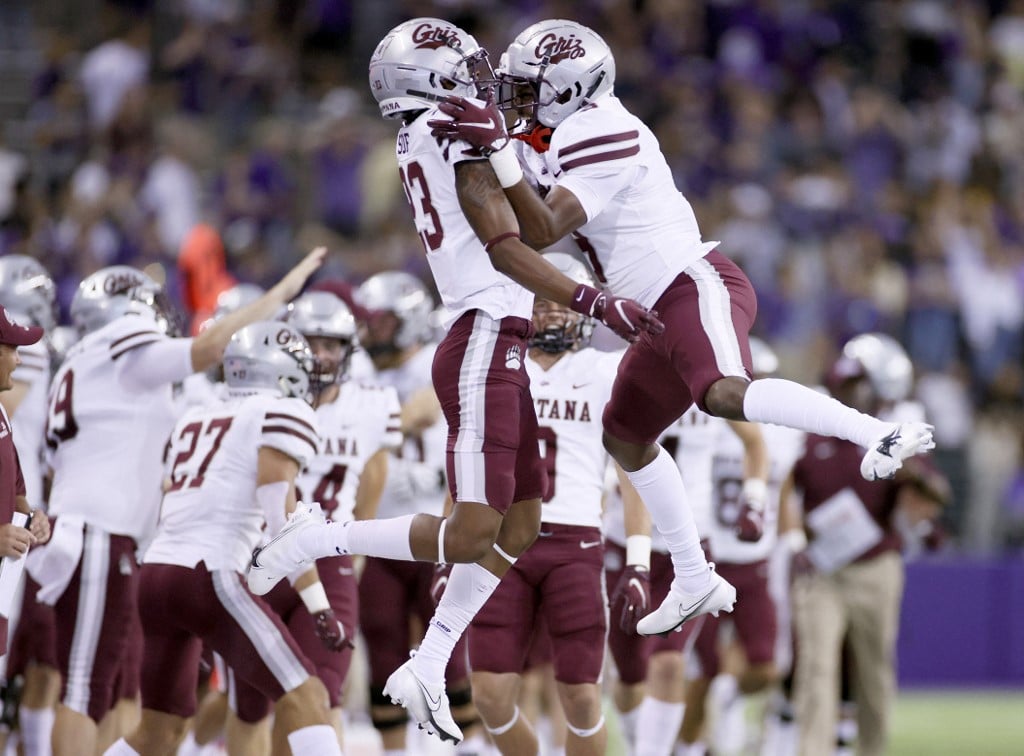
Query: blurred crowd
863, 161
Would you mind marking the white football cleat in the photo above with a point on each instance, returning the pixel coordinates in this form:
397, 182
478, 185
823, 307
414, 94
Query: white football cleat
885, 456
678, 607
426, 702
280, 556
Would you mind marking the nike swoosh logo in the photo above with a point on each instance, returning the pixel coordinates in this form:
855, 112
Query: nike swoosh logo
346, 571
687, 611
488, 124
635, 583
432, 704
579, 385
545, 534
589, 544
622, 314
579, 297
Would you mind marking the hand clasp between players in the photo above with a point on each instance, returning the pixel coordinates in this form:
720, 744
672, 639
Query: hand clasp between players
477, 122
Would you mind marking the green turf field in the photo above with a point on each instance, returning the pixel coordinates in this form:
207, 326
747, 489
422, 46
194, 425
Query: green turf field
974, 723
936, 723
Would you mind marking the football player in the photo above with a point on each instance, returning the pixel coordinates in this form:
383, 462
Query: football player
397, 337
110, 412
650, 691
486, 277
231, 466
359, 425
560, 579
613, 186
741, 548
29, 294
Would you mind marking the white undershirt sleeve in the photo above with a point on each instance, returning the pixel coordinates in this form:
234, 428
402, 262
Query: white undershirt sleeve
153, 365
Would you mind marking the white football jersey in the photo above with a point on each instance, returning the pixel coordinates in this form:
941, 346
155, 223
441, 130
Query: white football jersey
362, 420
641, 231
462, 269
691, 440
210, 512
570, 397
785, 445
29, 420
107, 439
427, 448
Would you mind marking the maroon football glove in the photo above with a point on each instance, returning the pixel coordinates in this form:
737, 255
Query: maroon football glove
631, 599
749, 525
439, 582
330, 631
480, 123
624, 316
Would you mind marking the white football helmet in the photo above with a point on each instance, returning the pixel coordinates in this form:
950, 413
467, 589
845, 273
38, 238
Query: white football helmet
320, 313
885, 363
575, 330
269, 355
27, 290
403, 294
565, 63
235, 298
118, 290
61, 339
421, 61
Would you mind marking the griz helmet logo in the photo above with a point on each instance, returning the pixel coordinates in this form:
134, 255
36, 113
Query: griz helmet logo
120, 283
556, 48
430, 37
283, 336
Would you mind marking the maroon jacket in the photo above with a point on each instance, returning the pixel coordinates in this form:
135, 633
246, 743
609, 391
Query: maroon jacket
827, 467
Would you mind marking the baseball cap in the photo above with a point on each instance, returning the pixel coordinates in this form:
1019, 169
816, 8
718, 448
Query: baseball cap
13, 334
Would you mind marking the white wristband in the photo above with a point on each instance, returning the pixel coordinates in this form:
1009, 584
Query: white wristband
506, 167
315, 598
794, 540
638, 551
755, 491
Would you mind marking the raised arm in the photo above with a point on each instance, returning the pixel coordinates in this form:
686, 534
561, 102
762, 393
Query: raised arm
208, 347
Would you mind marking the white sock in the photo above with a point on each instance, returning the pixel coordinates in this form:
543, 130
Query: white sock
387, 538
660, 485
36, 729
627, 724
469, 587
319, 739
782, 402
121, 748
657, 726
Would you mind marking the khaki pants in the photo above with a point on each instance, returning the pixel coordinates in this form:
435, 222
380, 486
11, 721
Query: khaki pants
862, 599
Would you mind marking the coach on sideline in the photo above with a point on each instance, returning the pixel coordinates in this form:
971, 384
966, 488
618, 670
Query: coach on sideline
14, 541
